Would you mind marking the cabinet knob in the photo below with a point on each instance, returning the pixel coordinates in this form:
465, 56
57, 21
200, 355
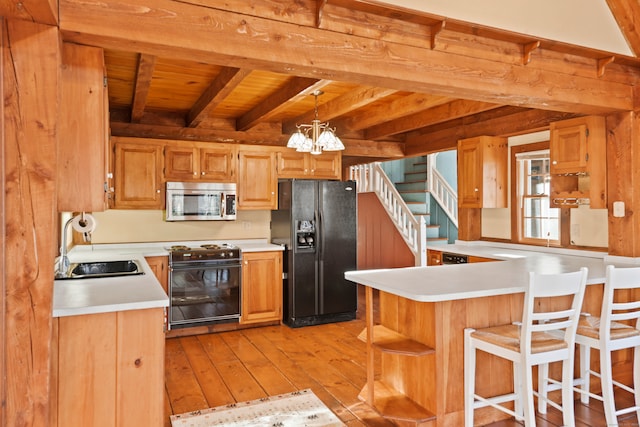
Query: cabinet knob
195, 173
555, 162
202, 173
475, 189
158, 191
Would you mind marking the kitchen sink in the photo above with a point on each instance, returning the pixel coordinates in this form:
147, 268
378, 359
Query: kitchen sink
88, 270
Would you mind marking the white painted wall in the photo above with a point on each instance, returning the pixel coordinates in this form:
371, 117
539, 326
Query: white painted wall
137, 226
586, 23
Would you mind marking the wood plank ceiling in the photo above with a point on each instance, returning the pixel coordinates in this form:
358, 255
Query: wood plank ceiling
158, 95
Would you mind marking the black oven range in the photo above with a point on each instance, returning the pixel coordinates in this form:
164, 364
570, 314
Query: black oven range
204, 285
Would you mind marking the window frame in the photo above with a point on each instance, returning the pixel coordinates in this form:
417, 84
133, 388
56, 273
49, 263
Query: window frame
517, 212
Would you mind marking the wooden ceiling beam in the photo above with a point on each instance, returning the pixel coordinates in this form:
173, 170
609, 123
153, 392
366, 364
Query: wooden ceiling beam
396, 109
146, 65
446, 138
40, 11
176, 29
438, 114
284, 97
343, 104
220, 88
627, 15
354, 147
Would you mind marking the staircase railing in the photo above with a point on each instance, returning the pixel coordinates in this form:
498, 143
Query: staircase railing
372, 178
441, 191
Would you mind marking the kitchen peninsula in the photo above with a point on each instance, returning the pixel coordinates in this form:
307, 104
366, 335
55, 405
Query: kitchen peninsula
424, 311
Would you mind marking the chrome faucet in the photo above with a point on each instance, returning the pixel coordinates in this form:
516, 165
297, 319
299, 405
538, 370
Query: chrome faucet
63, 263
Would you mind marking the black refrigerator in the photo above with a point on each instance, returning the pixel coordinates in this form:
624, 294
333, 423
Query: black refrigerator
316, 221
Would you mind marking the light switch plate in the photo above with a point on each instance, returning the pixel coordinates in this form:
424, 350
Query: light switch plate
618, 209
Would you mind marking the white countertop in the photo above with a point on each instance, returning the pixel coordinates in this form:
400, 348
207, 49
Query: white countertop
461, 281
73, 297
102, 295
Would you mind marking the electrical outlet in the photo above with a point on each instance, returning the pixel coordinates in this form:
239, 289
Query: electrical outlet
618, 209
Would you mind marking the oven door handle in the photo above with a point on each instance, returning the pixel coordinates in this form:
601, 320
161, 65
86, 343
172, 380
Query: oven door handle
202, 266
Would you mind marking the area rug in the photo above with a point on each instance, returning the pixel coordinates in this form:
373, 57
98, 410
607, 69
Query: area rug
300, 408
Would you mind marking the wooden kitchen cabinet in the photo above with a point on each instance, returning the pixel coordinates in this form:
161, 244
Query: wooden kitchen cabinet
160, 267
434, 257
578, 155
138, 168
199, 162
257, 178
293, 164
83, 131
110, 369
482, 172
261, 287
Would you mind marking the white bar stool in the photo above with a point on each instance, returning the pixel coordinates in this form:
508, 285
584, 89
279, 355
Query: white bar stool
607, 334
542, 338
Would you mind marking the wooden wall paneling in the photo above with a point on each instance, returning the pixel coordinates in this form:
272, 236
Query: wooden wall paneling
379, 243
30, 78
140, 368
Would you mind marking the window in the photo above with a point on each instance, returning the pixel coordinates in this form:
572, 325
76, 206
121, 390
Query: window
538, 223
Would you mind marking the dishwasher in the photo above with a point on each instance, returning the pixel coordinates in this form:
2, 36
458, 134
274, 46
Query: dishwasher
449, 258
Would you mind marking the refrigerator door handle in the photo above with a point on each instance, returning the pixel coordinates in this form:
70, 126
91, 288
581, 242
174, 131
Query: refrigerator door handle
319, 231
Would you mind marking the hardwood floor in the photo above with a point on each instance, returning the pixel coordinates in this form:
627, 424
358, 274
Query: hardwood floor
203, 371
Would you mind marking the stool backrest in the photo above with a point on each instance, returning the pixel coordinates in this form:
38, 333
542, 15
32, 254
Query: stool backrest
562, 315
620, 279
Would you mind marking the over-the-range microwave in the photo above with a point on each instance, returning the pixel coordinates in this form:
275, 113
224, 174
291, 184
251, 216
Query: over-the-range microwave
200, 201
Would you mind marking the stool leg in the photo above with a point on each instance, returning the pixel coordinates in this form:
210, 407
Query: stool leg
543, 386
636, 379
567, 393
525, 394
585, 374
517, 387
469, 377
606, 378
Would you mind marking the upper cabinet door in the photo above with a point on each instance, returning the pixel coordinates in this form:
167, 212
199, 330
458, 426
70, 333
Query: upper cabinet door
293, 164
482, 172
138, 179
210, 162
181, 163
218, 163
257, 180
568, 149
578, 154
327, 165
83, 130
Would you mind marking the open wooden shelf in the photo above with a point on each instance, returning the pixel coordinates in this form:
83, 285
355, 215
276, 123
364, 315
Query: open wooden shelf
391, 341
394, 405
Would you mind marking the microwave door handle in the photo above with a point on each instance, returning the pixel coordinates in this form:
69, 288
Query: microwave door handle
222, 206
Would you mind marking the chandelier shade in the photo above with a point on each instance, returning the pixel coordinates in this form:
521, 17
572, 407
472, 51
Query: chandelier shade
315, 137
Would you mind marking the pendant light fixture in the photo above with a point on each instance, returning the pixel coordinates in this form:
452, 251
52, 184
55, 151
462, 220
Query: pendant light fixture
316, 137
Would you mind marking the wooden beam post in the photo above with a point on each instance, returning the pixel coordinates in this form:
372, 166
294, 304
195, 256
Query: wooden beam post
30, 78
623, 180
